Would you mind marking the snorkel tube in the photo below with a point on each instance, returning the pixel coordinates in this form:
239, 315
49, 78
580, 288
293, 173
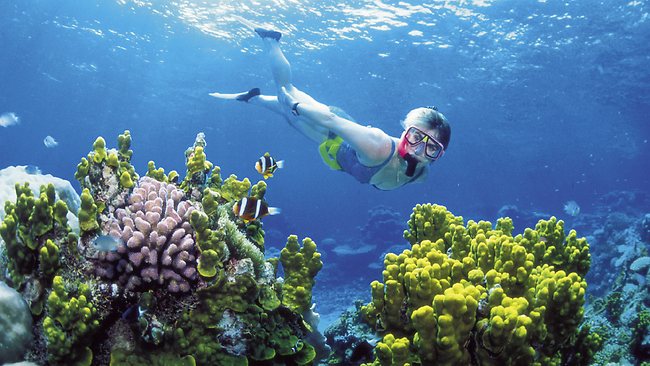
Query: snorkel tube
411, 161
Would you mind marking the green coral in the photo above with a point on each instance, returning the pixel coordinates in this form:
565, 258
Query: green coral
210, 202
213, 249
49, 258
582, 348
123, 358
258, 190
301, 265
155, 173
82, 170
474, 292
99, 150
255, 233
112, 160
228, 312
125, 180
254, 229
215, 178
393, 351
87, 213
238, 244
124, 146
32, 229
197, 162
233, 190
172, 177
197, 329
108, 174
198, 167
71, 318
60, 212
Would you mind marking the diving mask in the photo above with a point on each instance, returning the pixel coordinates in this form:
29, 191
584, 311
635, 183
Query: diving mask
424, 143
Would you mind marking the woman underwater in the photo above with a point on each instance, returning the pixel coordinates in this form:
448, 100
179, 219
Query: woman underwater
367, 153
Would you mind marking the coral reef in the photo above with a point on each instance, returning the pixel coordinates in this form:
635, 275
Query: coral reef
247, 315
186, 283
106, 176
469, 293
25, 174
157, 246
300, 265
645, 228
36, 235
352, 340
70, 320
618, 285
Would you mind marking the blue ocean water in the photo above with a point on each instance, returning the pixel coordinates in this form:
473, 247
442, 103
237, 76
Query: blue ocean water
548, 101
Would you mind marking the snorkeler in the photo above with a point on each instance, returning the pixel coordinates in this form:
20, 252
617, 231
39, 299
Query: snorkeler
367, 153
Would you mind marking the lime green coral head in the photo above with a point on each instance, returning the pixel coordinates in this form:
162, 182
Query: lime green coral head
87, 213
475, 281
301, 265
125, 180
99, 150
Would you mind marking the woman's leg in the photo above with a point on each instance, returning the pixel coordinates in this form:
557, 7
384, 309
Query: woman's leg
253, 96
281, 69
280, 66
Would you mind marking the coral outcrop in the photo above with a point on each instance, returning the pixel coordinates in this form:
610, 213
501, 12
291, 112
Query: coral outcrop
36, 235
179, 279
106, 176
300, 265
157, 246
71, 319
469, 293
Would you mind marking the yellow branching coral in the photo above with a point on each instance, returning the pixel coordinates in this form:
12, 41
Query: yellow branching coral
472, 292
300, 265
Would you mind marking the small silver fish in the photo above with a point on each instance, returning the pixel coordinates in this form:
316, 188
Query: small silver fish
571, 208
106, 243
50, 142
9, 119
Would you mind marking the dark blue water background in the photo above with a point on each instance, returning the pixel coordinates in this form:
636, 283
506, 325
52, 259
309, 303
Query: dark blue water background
548, 101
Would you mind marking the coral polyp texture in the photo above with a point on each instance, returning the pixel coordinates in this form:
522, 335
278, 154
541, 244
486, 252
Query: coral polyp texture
157, 245
475, 294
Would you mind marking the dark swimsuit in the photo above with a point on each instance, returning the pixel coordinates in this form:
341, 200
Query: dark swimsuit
346, 158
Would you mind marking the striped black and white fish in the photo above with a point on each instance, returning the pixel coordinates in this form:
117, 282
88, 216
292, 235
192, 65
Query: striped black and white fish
267, 165
251, 208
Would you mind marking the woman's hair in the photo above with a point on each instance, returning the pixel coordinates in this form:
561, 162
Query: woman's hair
430, 118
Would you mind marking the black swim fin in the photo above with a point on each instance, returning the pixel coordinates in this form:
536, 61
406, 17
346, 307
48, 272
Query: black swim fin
245, 97
266, 33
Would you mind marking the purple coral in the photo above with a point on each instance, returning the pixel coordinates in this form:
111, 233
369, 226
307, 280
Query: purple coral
157, 243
